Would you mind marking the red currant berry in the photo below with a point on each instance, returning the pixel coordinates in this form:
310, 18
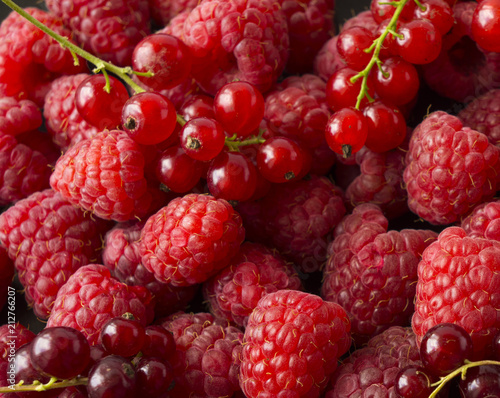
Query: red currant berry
438, 12
159, 342
113, 376
280, 159
486, 25
382, 10
420, 42
352, 44
149, 118
342, 93
154, 376
166, 56
386, 126
412, 382
346, 131
239, 107
197, 105
202, 138
396, 81
98, 107
122, 336
481, 382
389, 46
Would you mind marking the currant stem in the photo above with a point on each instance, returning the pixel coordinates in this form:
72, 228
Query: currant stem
234, 145
52, 384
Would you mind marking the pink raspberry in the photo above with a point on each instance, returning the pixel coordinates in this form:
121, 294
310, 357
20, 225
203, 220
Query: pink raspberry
107, 29
372, 272
371, 371
48, 239
90, 297
162, 11
236, 40
12, 337
18, 116
6, 277
207, 358
484, 221
483, 115
293, 341
449, 169
458, 282
121, 255
255, 271
191, 239
62, 119
328, 60
105, 175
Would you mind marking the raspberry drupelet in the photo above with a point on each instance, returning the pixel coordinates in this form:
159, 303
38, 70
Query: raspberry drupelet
18, 116
484, 221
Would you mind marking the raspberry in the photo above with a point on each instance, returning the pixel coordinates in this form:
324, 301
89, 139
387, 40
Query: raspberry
104, 175
236, 40
62, 119
364, 19
484, 221
23, 170
255, 271
483, 115
107, 29
18, 116
91, 297
42, 142
191, 239
458, 283
12, 337
207, 357
48, 239
292, 343
6, 276
162, 11
121, 255
297, 219
371, 371
371, 272
449, 169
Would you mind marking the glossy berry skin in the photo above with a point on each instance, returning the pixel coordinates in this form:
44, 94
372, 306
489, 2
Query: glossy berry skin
239, 107
166, 56
481, 382
149, 118
352, 44
412, 382
342, 93
486, 25
122, 336
197, 105
154, 376
346, 131
96, 106
386, 126
112, 376
202, 138
382, 11
60, 351
158, 342
421, 42
280, 159
438, 12
400, 84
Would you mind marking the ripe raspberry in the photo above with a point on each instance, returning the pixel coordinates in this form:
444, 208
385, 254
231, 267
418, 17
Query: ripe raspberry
483, 115
6, 276
236, 40
297, 219
371, 371
292, 343
62, 119
449, 169
207, 358
107, 29
162, 11
42, 142
191, 239
255, 271
462, 71
121, 255
48, 239
23, 170
364, 19
105, 175
458, 282
371, 272
484, 221
91, 297
12, 337
18, 116
328, 60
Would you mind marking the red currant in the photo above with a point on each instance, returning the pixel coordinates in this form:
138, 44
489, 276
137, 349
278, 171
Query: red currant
438, 12
481, 382
122, 336
382, 10
154, 376
396, 81
486, 25
159, 342
112, 376
202, 138
346, 131
412, 382
352, 44
389, 46
197, 105
420, 42
342, 93
280, 159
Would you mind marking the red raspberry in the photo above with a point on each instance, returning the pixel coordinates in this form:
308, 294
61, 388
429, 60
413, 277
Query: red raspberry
162, 11
91, 297
483, 115
121, 255
191, 239
292, 343
371, 371
297, 219
364, 19
6, 277
484, 221
48, 239
62, 119
23, 170
255, 271
105, 175
42, 142
458, 282
371, 272
207, 357
462, 71
18, 116
328, 60
12, 337
236, 40
107, 29
449, 169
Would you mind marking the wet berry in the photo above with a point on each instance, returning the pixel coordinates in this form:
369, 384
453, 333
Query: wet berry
346, 131
122, 336
202, 138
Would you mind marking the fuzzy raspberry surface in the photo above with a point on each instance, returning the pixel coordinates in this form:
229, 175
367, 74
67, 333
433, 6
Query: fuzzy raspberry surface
449, 169
255, 271
191, 239
458, 279
292, 343
484, 221
105, 175
18, 116
48, 239
91, 297
62, 119
371, 371
372, 272
13, 336
207, 358
328, 60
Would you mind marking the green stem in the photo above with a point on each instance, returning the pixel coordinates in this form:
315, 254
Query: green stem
234, 145
52, 384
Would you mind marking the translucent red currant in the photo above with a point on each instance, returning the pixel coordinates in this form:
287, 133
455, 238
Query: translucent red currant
197, 105
346, 131
438, 12
122, 336
352, 44
202, 138
412, 382
342, 93
396, 81
386, 126
486, 25
280, 159
420, 42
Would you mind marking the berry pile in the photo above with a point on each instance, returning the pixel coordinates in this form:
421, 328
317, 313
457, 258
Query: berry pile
225, 198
